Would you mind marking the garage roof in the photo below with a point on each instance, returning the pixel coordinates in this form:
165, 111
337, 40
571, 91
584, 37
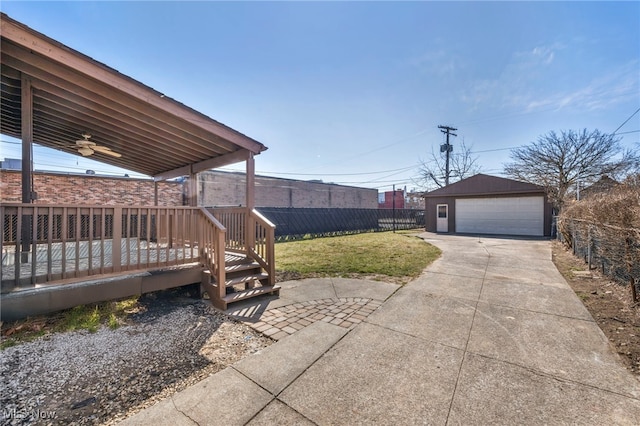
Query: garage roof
75, 94
482, 184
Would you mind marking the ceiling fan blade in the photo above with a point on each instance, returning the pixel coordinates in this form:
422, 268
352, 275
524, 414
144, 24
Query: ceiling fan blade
111, 153
105, 150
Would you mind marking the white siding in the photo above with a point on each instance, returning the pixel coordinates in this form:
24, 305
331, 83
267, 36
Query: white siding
504, 215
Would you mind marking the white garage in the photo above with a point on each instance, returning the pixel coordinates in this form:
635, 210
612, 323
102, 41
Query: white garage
483, 204
502, 216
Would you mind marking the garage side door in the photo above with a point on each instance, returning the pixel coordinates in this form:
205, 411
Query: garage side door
505, 216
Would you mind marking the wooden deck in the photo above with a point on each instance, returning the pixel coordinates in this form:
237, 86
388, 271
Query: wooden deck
67, 249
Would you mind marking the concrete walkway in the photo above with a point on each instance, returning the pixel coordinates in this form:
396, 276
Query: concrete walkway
489, 334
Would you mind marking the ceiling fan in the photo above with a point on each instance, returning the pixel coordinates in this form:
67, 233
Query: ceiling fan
86, 147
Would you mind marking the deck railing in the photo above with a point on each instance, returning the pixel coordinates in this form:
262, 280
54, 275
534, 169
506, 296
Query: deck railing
43, 243
258, 244
47, 243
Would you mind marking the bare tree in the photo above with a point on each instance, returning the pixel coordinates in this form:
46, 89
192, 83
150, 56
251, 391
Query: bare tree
559, 161
461, 165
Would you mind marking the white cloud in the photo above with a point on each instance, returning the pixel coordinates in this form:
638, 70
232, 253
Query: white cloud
439, 61
530, 82
618, 85
544, 54
511, 88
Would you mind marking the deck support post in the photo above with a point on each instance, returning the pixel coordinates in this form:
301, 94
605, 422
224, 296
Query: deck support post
26, 129
251, 186
155, 193
116, 246
193, 190
250, 227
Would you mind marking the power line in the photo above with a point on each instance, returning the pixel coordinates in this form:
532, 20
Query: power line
423, 131
394, 171
497, 149
625, 121
327, 174
383, 177
63, 155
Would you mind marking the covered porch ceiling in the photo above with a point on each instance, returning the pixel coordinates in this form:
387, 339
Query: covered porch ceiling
72, 94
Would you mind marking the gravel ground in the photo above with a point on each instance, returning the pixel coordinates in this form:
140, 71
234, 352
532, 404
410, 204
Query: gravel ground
100, 378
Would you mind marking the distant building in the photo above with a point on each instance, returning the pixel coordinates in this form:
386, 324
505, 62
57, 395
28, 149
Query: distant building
386, 199
11, 164
605, 184
414, 200
220, 189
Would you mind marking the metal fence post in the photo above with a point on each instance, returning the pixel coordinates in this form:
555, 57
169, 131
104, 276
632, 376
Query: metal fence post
589, 243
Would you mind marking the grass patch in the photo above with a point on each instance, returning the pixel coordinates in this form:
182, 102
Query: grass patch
86, 317
80, 318
384, 254
582, 296
113, 322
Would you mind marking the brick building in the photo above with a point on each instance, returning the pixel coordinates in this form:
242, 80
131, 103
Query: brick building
65, 188
391, 199
215, 189
228, 189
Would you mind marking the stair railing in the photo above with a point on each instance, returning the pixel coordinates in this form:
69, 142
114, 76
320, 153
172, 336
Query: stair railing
249, 233
262, 248
234, 220
213, 235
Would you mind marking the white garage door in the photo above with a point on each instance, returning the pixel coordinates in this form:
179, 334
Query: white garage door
506, 215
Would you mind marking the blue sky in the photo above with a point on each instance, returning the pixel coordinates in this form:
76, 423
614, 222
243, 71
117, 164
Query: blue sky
353, 92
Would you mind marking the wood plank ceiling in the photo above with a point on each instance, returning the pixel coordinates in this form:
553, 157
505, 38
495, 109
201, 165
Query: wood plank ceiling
74, 94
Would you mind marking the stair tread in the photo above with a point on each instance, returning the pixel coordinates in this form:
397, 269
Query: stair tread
244, 278
253, 292
241, 267
235, 259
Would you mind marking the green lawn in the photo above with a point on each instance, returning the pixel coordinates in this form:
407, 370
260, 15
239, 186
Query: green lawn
380, 255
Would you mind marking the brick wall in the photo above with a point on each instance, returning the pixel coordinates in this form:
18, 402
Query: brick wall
59, 188
228, 189
388, 201
214, 189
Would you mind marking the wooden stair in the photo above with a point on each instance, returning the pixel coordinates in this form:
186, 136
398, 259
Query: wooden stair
244, 279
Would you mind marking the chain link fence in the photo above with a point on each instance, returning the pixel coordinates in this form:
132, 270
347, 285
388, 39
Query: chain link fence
614, 250
298, 223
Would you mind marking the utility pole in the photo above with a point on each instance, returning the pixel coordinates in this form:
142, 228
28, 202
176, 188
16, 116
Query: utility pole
393, 203
447, 148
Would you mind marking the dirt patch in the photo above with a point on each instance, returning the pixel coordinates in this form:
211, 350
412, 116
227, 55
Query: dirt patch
609, 303
171, 342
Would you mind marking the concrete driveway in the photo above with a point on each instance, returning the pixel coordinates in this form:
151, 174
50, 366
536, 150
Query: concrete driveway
489, 334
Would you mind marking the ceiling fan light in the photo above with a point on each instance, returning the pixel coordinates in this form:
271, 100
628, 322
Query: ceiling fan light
85, 151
